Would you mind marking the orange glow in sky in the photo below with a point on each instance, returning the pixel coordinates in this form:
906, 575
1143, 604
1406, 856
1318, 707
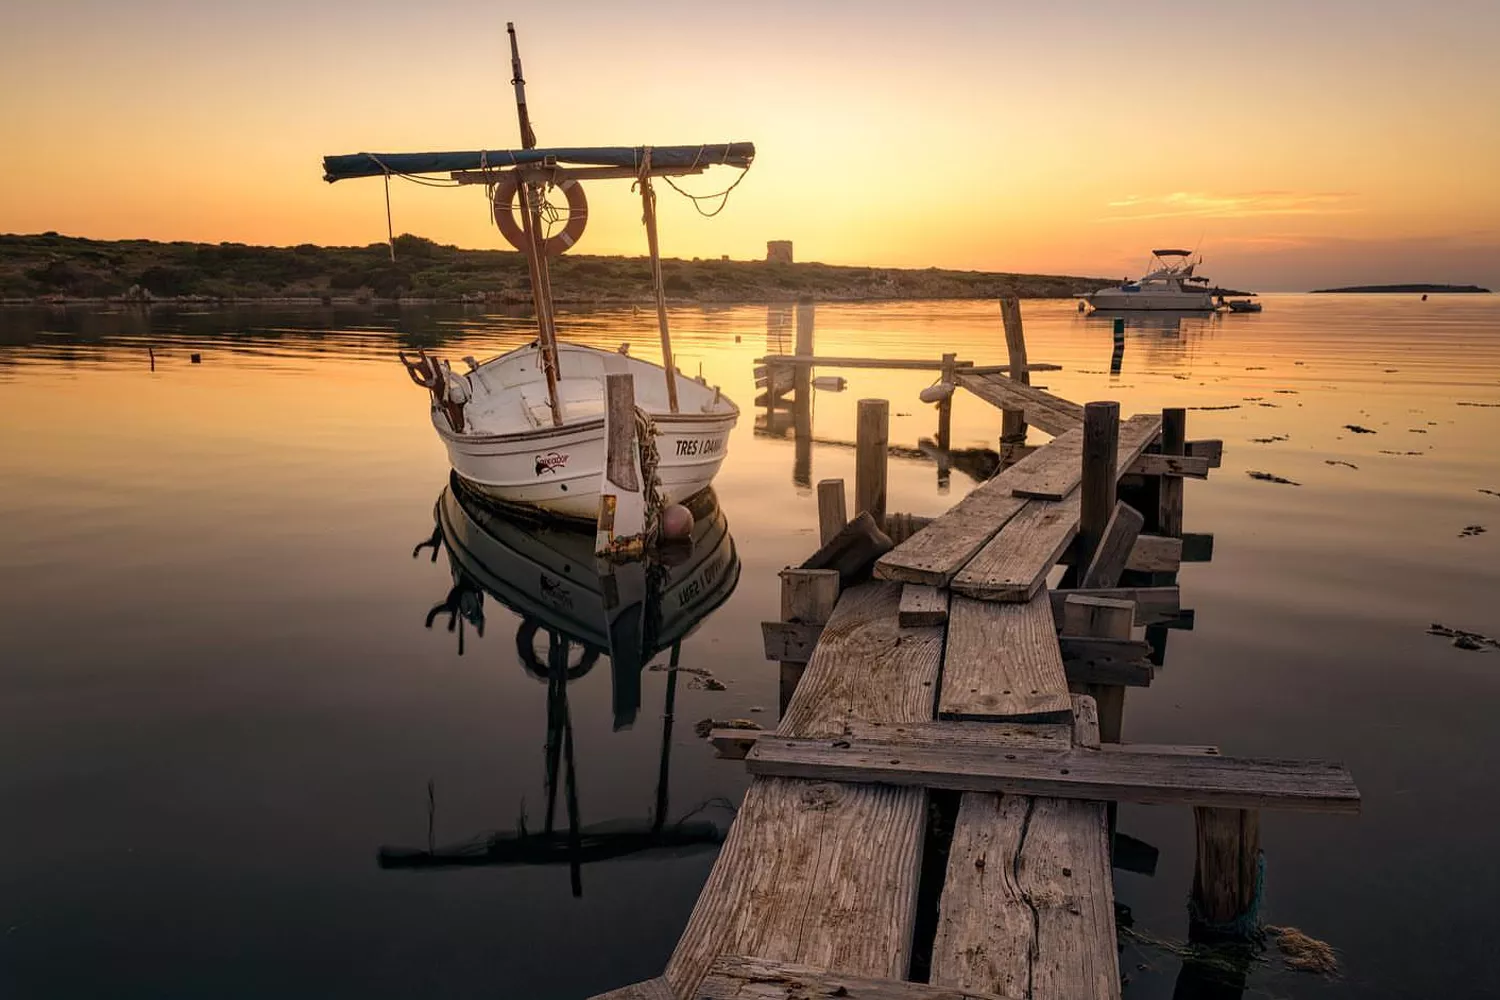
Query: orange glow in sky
1296, 144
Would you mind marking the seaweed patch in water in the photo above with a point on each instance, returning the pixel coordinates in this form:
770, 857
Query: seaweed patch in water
1356, 428
1493, 493
1304, 953
1471, 530
1339, 461
1231, 406
1492, 405
1270, 440
1267, 477
1287, 392
1463, 640
1385, 451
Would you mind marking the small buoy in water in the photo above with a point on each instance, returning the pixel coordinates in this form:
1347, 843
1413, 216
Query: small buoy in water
676, 522
196, 359
1082, 305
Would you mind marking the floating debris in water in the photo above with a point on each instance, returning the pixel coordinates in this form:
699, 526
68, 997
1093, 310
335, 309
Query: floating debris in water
1270, 440
1274, 406
1463, 640
1253, 399
1471, 530
1304, 953
1480, 404
1267, 477
1493, 493
1339, 461
1182, 377
705, 726
1287, 392
1416, 430
1356, 428
1229, 406
1391, 371
702, 680
1256, 368
1384, 451
706, 684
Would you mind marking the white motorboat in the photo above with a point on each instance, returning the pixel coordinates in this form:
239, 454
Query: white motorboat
528, 427
1170, 284
503, 440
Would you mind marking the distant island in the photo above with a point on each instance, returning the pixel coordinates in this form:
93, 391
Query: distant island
53, 268
1403, 289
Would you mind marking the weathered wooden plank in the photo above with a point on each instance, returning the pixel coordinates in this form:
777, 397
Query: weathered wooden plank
1213, 450
1085, 615
1153, 605
734, 744
1056, 474
1052, 414
923, 605
792, 642
651, 989
826, 874
737, 978
1122, 775
1090, 673
1191, 467
934, 554
1155, 554
1002, 661
1089, 647
808, 597
1014, 564
1028, 902
1115, 547
852, 551
871, 440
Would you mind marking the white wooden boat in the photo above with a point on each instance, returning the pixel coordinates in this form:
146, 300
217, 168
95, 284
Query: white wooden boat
503, 440
528, 427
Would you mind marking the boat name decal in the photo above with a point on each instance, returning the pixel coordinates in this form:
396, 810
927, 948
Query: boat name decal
699, 446
550, 462
700, 582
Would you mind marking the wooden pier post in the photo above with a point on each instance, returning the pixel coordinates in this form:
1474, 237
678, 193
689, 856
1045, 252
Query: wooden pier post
1013, 423
1226, 874
802, 397
1117, 358
870, 443
1101, 437
807, 597
945, 407
1173, 442
833, 512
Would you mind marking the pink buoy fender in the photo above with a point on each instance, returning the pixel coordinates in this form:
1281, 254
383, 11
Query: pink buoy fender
505, 215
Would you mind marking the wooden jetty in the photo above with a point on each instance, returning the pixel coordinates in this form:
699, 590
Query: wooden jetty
976, 668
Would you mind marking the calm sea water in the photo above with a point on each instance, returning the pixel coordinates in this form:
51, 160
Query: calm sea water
219, 700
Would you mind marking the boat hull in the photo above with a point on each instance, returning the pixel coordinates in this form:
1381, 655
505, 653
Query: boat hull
559, 471
1114, 299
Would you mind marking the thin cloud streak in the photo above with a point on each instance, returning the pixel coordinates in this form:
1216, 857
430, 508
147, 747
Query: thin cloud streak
1246, 205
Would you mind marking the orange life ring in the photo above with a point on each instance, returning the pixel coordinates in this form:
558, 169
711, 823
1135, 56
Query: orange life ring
505, 216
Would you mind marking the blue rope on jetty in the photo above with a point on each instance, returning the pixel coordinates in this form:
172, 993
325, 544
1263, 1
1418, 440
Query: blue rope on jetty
1244, 927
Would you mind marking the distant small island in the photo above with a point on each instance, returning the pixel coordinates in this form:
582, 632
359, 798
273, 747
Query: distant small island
50, 268
1403, 289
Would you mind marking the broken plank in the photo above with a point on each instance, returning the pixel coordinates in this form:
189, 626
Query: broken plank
776, 890
1190, 466
922, 605
1083, 615
791, 642
1052, 414
1123, 775
1002, 661
736, 978
1097, 660
1213, 450
1153, 605
1115, 547
1155, 554
852, 549
1014, 564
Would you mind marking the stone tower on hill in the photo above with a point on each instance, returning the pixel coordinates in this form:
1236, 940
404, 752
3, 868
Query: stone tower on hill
778, 251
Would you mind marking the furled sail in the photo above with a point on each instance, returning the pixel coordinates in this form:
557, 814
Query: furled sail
338, 168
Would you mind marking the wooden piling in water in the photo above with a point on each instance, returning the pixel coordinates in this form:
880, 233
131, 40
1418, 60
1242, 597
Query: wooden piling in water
833, 512
1173, 442
1101, 436
945, 406
1226, 874
871, 438
1013, 422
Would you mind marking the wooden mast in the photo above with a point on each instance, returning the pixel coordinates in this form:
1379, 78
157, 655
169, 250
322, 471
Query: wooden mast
531, 225
648, 203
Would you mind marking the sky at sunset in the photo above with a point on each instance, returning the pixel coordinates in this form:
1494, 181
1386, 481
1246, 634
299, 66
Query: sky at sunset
1297, 144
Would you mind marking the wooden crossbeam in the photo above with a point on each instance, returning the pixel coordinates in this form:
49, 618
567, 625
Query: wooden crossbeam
1153, 605
1123, 775
738, 978
1213, 450
1189, 466
734, 744
1052, 414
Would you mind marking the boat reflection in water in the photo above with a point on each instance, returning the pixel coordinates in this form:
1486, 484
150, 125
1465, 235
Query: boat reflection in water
572, 610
